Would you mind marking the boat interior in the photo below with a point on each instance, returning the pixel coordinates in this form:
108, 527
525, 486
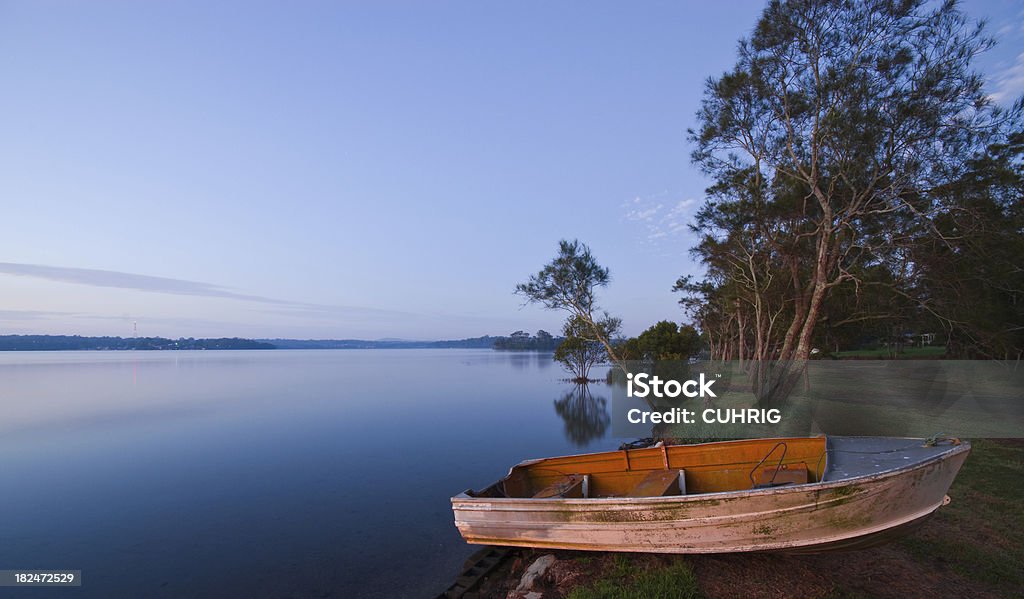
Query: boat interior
668, 470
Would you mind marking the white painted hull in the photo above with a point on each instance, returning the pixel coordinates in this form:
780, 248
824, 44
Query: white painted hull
831, 514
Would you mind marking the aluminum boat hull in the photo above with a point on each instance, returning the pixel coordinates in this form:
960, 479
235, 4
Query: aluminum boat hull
862, 499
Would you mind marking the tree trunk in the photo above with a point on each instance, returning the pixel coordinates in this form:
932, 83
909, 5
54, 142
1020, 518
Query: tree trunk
740, 326
799, 310
823, 260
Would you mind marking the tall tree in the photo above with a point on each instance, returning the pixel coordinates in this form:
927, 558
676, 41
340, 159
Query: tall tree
827, 142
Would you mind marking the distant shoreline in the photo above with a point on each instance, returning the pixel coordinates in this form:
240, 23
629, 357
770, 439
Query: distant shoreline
80, 343
83, 343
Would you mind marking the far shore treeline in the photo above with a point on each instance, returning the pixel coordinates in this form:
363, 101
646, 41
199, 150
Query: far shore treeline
76, 342
518, 340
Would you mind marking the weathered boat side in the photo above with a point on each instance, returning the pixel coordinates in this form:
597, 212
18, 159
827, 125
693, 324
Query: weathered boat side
830, 514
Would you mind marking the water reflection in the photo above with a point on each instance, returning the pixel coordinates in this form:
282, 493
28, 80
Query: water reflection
585, 415
528, 360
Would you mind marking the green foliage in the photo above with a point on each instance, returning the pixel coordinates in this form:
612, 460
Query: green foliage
578, 356
577, 326
663, 349
542, 341
667, 341
569, 281
970, 271
579, 352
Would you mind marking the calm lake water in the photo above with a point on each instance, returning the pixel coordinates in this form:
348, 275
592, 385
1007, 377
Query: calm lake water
267, 473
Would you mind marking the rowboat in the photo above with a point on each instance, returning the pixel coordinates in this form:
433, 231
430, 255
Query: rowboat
804, 494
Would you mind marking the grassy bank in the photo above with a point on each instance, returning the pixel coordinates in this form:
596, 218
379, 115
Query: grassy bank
973, 547
906, 353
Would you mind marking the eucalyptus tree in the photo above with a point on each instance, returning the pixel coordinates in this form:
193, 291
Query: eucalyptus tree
827, 143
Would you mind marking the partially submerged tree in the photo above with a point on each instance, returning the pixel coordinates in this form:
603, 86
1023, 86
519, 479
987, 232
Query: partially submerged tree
569, 283
578, 353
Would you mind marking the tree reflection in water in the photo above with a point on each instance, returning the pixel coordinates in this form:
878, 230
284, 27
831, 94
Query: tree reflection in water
585, 415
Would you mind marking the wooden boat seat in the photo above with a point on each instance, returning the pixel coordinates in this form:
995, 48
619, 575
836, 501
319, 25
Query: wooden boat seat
788, 474
570, 486
660, 483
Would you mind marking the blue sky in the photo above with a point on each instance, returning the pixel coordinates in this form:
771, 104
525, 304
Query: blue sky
354, 169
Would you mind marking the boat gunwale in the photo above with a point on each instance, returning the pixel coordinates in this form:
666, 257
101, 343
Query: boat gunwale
962, 446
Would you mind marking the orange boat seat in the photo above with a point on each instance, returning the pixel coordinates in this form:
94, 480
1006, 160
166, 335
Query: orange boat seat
660, 483
570, 486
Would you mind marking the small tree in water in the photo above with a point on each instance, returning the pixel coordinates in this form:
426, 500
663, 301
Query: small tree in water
579, 353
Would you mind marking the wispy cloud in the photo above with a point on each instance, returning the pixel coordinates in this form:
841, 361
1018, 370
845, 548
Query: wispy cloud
1008, 84
124, 280
12, 315
316, 318
661, 218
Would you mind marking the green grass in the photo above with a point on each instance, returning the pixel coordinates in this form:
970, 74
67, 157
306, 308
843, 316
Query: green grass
982, 533
622, 567
907, 353
675, 581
